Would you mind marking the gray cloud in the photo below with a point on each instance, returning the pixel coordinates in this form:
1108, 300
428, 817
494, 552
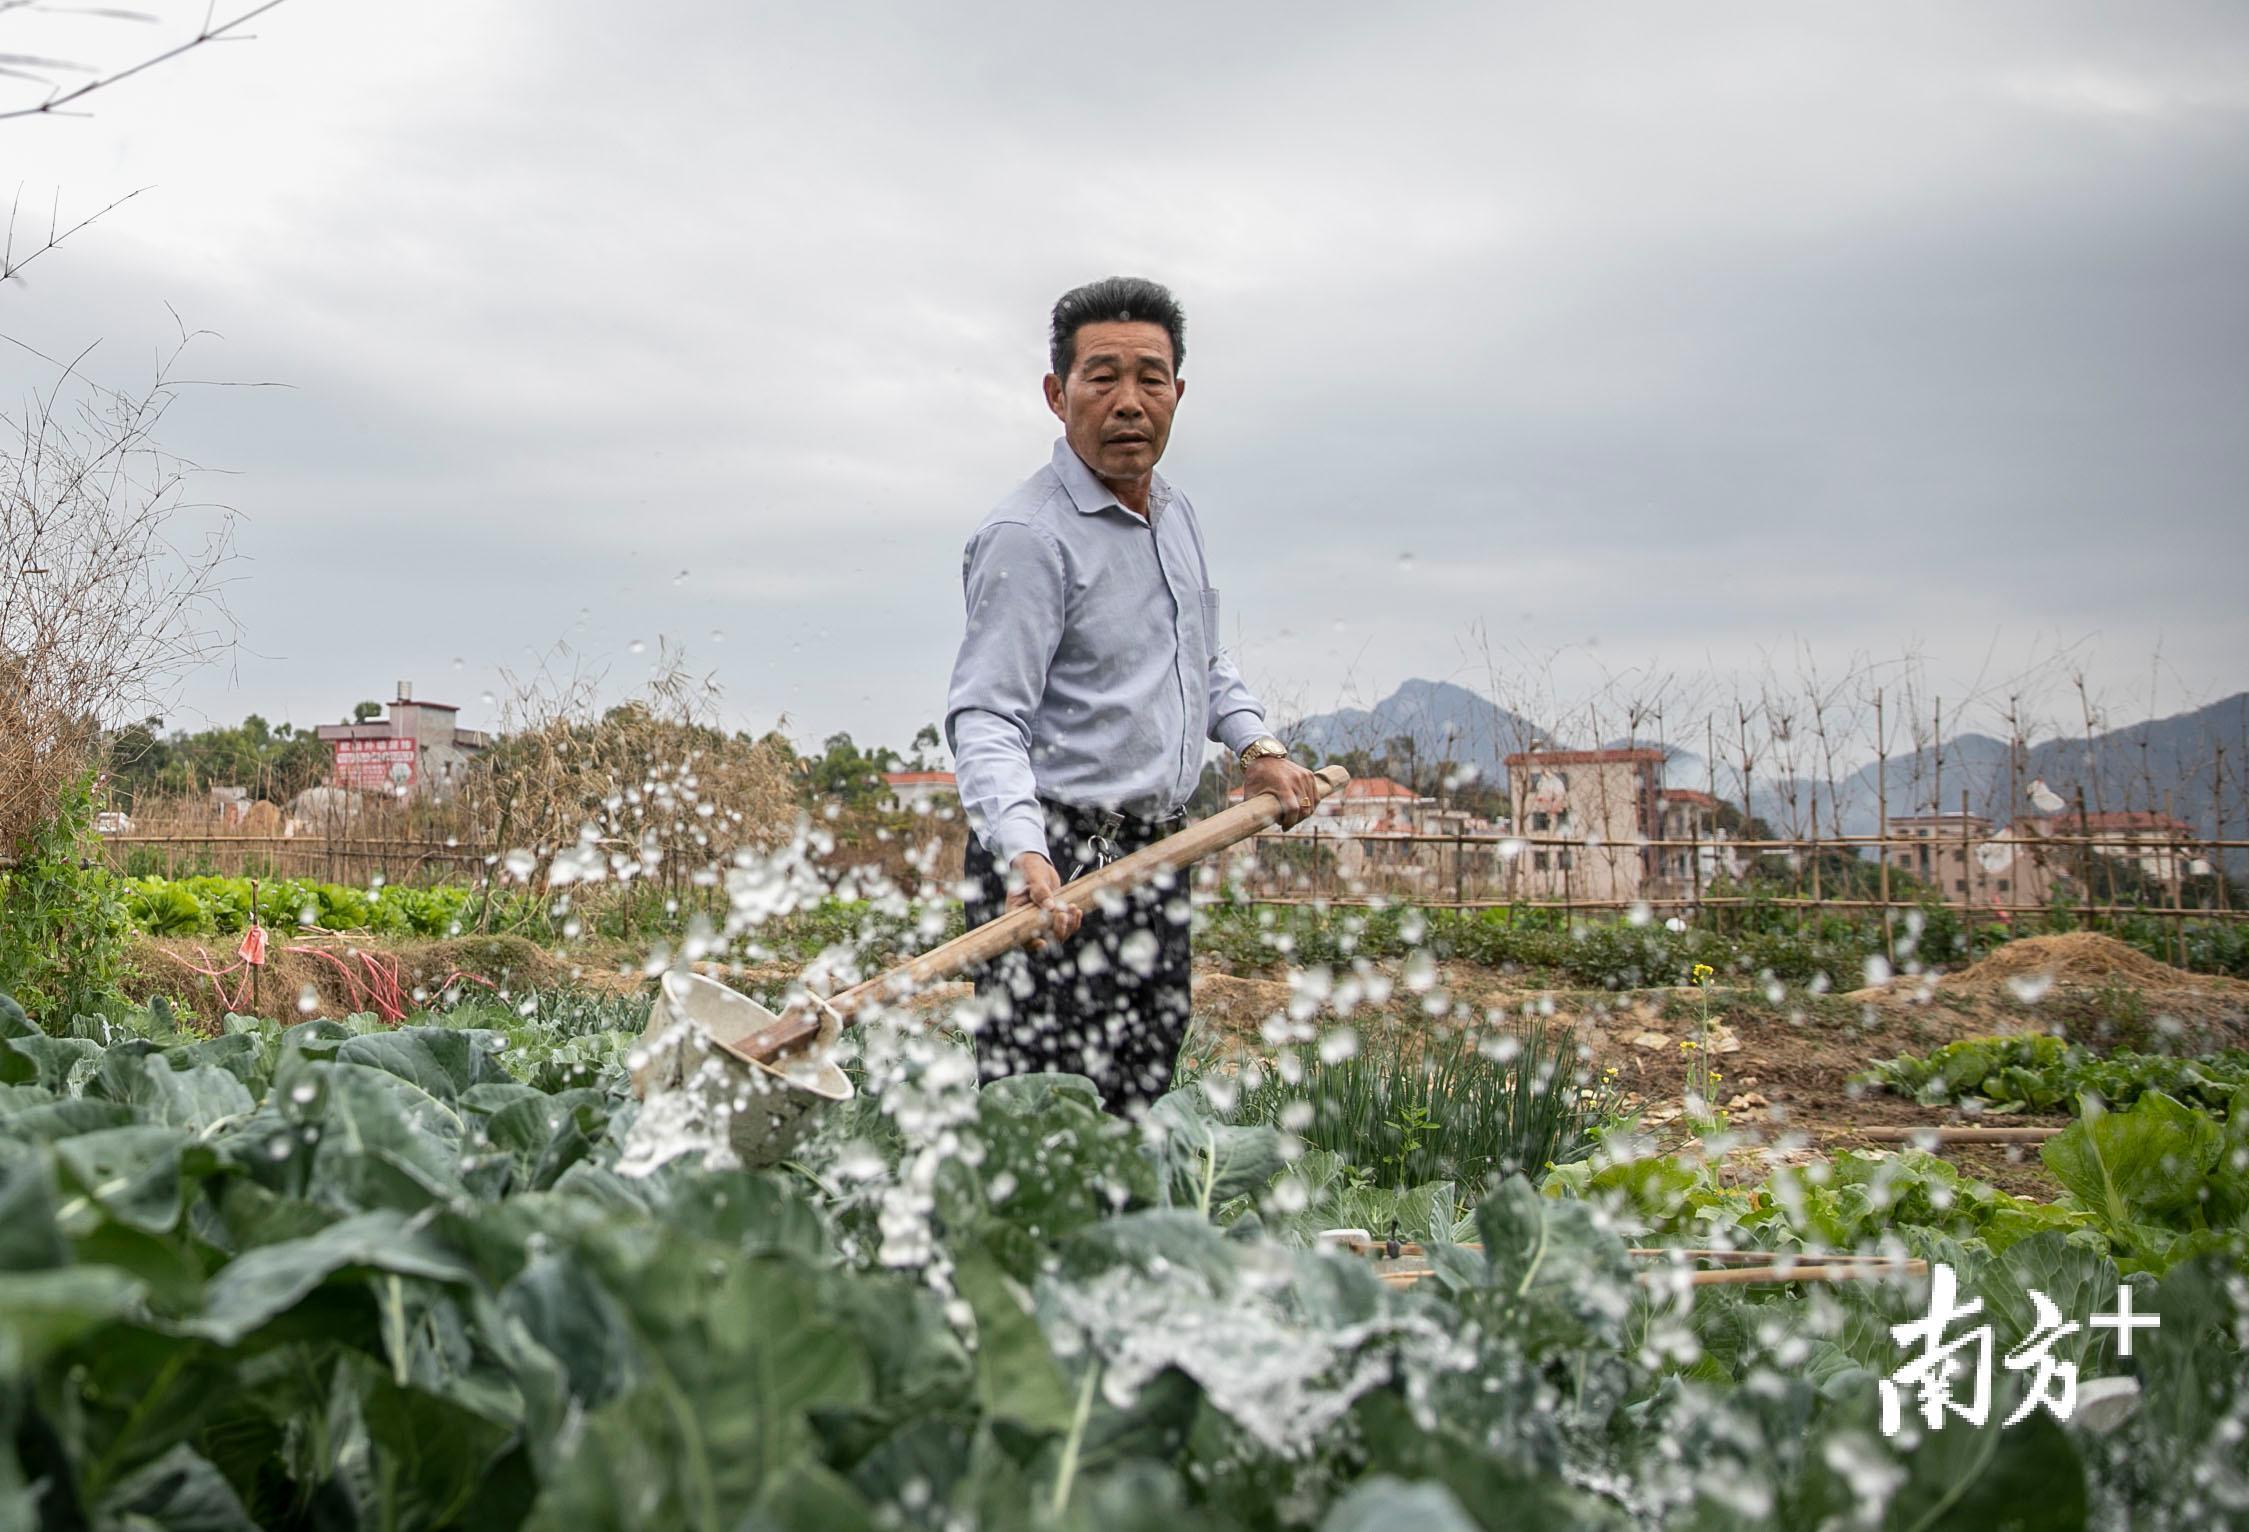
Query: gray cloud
1682, 330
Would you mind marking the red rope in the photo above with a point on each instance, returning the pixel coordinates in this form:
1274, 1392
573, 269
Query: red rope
216, 976
381, 991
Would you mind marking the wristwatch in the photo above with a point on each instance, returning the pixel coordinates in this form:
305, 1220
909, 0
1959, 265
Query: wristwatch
1261, 747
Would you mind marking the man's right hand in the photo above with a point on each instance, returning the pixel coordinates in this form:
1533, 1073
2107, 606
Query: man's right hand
1032, 880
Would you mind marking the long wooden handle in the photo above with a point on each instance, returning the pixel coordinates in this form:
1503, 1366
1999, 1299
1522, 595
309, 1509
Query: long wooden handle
1019, 927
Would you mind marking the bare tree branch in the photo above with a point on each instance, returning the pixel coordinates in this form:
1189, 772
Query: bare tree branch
104, 603
11, 263
211, 32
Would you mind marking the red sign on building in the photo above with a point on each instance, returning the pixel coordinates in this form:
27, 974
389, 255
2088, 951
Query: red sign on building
375, 765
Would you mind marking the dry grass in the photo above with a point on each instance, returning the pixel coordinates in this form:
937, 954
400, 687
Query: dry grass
338, 975
651, 791
2076, 957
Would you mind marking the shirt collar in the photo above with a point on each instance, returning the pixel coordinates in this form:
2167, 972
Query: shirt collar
1091, 496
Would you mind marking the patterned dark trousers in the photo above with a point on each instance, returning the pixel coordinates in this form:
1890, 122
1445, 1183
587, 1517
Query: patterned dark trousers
1112, 1002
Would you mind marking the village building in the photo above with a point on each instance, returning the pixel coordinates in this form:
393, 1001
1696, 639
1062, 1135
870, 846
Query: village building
922, 792
417, 751
2159, 845
1964, 859
1607, 801
1689, 816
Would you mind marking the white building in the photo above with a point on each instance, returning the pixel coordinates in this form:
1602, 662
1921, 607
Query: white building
1607, 802
922, 792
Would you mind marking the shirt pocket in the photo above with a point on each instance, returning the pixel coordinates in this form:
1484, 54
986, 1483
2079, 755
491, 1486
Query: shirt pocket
1210, 625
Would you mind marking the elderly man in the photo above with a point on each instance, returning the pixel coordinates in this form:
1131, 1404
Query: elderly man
1088, 680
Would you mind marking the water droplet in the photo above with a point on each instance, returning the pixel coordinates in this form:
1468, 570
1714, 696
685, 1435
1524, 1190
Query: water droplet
1139, 952
2030, 988
680, 578
308, 1000
458, 662
718, 635
1405, 563
638, 646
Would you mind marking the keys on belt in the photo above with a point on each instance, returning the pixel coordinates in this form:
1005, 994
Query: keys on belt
1108, 824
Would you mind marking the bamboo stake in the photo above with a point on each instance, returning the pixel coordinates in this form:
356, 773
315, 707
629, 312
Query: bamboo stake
1412, 1249
1744, 1276
1882, 809
1766, 1257
1739, 1276
1945, 1135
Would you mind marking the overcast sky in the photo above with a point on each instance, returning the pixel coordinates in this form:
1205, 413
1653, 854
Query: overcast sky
1665, 334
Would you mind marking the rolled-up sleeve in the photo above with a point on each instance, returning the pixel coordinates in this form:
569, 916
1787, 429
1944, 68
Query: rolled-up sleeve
1016, 585
1236, 716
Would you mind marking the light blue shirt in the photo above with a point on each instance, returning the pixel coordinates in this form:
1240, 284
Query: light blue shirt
1091, 671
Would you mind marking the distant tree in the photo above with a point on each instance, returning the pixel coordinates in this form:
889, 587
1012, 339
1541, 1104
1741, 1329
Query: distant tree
366, 712
927, 742
843, 773
272, 760
1402, 758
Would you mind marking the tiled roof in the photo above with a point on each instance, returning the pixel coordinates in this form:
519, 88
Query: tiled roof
2129, 819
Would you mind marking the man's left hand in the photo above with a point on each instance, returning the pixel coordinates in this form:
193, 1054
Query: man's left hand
1297, 788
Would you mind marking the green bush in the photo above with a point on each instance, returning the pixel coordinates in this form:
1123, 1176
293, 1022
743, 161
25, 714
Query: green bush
62, 922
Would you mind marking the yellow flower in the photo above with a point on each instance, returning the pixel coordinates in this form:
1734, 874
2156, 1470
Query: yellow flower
1688, 1045
1703, 973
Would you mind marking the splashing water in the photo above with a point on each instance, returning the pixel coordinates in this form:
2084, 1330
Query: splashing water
696, 1117
1282, 1379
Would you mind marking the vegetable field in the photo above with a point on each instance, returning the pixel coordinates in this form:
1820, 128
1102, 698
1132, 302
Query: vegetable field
340, 1274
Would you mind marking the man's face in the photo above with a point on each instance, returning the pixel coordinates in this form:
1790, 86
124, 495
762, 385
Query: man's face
1116, 404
